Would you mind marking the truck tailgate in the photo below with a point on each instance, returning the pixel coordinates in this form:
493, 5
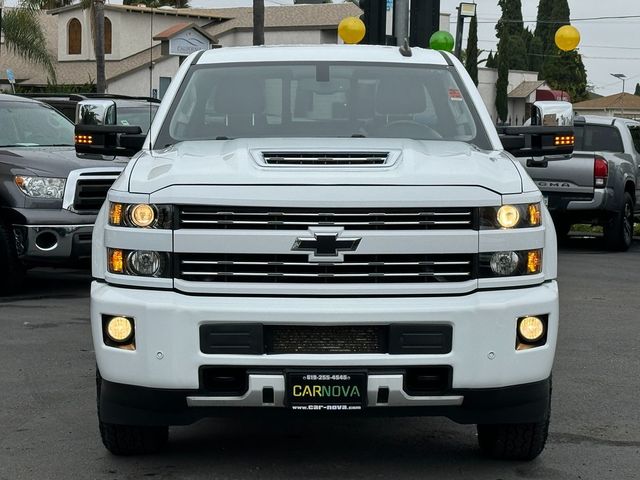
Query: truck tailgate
567, 177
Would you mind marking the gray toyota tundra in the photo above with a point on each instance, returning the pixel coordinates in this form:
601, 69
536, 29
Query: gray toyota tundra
49, 198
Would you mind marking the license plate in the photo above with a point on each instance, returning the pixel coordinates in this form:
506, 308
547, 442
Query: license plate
327, 391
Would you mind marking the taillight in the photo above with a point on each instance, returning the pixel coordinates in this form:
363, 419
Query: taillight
600, 171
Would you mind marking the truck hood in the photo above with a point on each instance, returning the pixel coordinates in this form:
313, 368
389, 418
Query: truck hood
238, 162
47, 161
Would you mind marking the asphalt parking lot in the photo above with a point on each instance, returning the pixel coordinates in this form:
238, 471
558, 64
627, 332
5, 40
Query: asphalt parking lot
48, 427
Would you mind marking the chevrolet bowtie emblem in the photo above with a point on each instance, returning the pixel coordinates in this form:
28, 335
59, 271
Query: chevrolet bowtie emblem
326, 246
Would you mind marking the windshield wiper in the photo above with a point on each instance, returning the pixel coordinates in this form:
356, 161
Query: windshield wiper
222, 137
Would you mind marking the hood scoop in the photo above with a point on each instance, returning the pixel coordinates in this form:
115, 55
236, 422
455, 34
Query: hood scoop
325, 159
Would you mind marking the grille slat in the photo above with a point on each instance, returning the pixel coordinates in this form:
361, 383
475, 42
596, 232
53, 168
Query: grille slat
322, 159
283, 339
276, 218
396, 268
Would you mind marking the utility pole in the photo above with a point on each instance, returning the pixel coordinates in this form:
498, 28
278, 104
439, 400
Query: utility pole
101, 81
401, 10
258, 22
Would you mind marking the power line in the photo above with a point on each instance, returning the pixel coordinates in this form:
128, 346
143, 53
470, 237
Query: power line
557, 22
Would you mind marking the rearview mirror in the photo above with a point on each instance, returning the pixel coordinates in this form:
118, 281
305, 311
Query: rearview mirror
537, 141
552, 114
99, 135
96, 112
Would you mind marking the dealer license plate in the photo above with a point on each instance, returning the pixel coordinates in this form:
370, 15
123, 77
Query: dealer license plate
331, 391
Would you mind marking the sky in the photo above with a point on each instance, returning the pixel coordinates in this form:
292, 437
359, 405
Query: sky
608, 45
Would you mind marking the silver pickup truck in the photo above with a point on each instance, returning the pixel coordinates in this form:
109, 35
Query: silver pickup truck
599, 184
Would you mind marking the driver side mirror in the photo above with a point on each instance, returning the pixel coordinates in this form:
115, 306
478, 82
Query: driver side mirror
97, 132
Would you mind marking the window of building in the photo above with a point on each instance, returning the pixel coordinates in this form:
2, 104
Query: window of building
75, 37
107, 36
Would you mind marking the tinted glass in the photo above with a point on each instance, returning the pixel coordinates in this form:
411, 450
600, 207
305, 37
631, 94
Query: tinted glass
322, 100
635, 135
137, 116
598, 138
32, 124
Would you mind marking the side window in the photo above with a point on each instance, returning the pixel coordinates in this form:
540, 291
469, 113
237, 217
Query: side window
635, 135
598, 138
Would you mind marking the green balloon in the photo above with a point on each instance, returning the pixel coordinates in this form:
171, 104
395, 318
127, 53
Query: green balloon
442, 40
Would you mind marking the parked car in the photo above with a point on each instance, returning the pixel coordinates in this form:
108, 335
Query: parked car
49, 197
332, 229
131, 110
599, 183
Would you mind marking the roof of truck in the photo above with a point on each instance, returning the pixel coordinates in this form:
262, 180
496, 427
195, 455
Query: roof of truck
320, 53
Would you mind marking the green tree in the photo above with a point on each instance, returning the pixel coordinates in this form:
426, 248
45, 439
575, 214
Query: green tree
491, 61
535, 53
637, 92
471, 62
24, 37
502, 84
518, 59
544, 29
565, 71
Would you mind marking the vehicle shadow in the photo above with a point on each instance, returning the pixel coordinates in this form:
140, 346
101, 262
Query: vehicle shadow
299, 447
578, 242
49, 283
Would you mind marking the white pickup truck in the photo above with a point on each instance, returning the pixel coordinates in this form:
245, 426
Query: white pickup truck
324, 230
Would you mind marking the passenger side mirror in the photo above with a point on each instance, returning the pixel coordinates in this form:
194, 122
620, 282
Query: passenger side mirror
96, 112
98, 134
552, 114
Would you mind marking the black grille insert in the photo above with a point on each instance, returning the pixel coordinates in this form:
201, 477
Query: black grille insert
280, 339
329, 159
91, 193
296, 268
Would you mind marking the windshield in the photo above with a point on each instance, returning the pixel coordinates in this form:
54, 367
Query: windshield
26, 124
137, 116
322, 100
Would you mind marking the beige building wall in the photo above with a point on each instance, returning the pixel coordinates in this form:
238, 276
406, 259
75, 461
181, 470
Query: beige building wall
487, 78
131, 32
137, 83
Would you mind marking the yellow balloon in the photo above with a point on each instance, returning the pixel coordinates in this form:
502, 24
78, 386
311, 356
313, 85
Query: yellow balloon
351, 30
567, 38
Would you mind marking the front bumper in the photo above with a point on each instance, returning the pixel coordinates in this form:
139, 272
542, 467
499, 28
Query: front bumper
53, 243
168, 356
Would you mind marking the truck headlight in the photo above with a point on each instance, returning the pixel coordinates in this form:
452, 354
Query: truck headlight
41, 187
142, 263
510, 263
140, 215
511, 216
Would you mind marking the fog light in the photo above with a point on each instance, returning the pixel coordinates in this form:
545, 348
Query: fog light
531, 329
144, 262
508, 216
120, 329
504, 263
142, 215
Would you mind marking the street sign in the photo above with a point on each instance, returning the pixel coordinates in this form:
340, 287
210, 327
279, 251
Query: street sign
10, 76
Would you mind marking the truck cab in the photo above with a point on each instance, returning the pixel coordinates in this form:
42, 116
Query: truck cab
324, 230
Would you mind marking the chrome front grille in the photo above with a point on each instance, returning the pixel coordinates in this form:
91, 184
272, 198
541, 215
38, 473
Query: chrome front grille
277, 218
330, 159
294, 268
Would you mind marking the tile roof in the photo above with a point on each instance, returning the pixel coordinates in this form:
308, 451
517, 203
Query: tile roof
615, 101
526, 88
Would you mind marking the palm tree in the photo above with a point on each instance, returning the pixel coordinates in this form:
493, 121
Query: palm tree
24, 37
96, 14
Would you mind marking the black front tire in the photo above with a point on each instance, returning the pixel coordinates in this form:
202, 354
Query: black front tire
515, 441
13, 270
129, 439
618, 230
